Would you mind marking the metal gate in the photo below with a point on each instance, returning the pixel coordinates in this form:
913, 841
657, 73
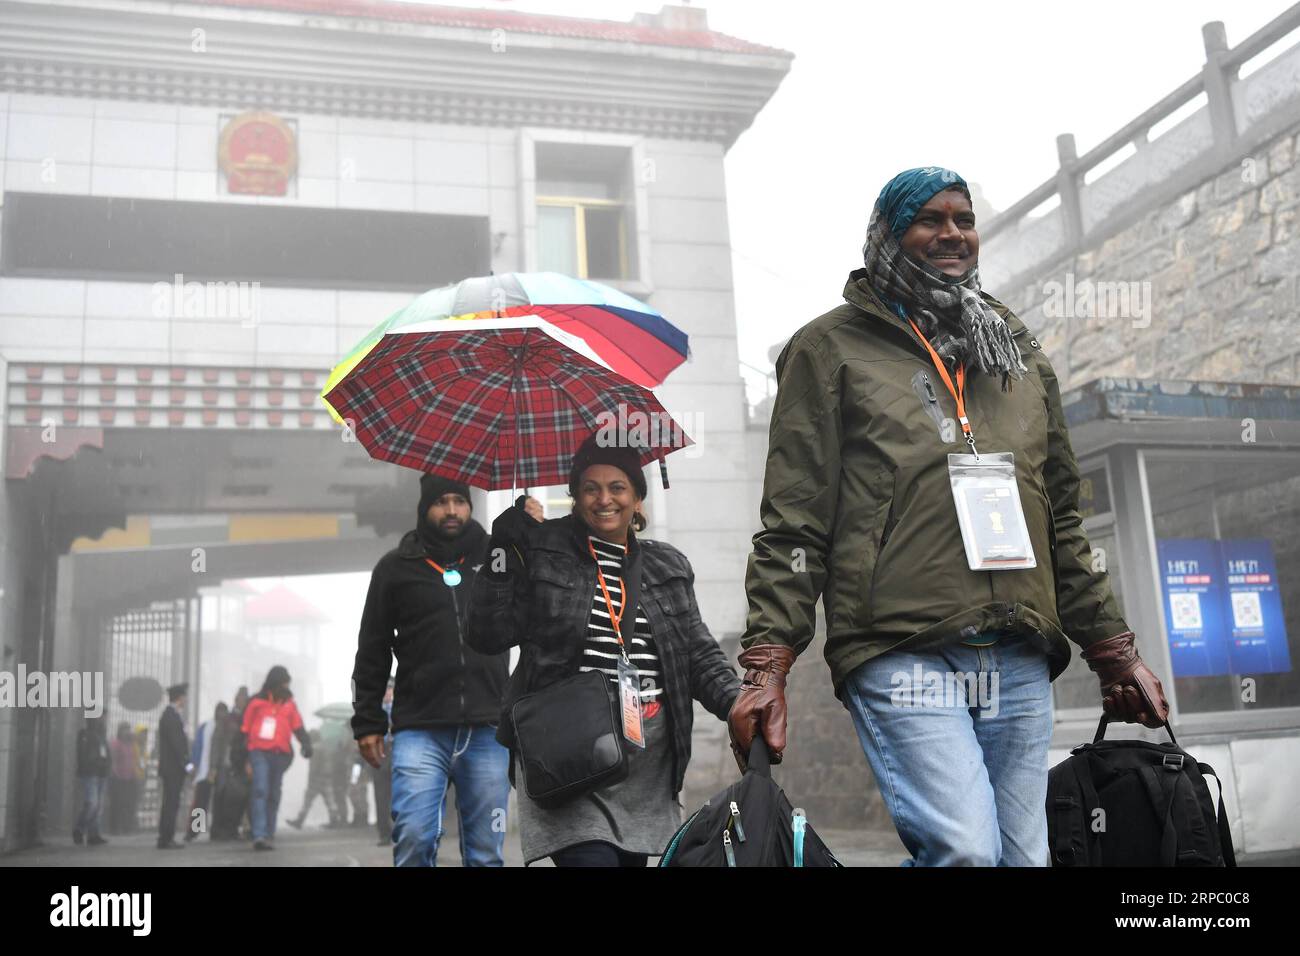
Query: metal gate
153, 643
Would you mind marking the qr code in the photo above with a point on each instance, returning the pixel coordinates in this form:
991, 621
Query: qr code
1246, 610
1185, 608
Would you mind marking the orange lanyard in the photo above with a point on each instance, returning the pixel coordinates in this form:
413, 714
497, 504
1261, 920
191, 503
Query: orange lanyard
958, 393
614, 619
441, 569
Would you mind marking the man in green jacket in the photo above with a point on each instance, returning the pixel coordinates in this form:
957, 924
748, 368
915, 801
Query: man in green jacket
920, 481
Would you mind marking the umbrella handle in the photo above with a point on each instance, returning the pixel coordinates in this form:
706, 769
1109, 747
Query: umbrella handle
514, 394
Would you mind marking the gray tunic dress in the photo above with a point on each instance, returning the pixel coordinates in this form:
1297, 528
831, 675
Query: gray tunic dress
639, 814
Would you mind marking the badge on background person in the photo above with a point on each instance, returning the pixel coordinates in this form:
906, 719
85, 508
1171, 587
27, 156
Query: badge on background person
267, 729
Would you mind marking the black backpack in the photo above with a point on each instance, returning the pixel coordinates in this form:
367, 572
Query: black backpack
1154, 802
751, 823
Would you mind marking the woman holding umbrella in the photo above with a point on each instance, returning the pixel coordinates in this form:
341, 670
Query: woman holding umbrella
583, 593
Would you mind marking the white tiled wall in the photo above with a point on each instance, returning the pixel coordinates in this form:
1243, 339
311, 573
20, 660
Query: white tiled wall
157, 151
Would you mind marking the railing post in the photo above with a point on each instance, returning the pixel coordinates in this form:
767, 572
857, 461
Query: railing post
1218, 88
1067, 186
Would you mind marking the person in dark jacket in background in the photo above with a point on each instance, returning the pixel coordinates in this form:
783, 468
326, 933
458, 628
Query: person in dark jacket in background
318, 784
203, 755
342, 757
547, 596
230, 792
447, 696
173, 764
92, 777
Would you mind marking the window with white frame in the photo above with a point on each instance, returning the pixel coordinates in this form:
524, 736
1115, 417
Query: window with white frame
585, 210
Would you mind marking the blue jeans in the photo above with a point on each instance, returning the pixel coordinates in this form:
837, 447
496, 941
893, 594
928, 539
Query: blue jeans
423, 763
957, 738
264, 805
92, 804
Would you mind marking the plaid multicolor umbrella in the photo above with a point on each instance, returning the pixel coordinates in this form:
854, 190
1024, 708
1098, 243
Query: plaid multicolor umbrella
629, 336
495, 403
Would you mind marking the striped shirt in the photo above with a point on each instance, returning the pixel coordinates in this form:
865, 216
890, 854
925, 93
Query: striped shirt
600, 653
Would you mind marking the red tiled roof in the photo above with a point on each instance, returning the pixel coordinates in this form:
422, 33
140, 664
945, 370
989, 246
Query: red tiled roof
280, 605
509, 20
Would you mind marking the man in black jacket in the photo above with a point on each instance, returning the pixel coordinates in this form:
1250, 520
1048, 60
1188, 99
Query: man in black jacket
173, 764
92, 777
446, 696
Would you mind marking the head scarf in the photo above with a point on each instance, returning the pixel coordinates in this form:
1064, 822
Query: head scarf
959, 324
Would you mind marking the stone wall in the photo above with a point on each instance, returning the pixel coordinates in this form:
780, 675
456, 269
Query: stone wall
1216, 273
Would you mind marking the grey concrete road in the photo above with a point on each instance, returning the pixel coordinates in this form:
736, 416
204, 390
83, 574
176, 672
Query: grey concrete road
315, 846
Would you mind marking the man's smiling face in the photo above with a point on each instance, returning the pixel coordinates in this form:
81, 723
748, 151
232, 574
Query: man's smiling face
943, 234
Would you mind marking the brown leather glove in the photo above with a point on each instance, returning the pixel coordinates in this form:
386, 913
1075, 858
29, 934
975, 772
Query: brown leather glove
760, 705
1130, 691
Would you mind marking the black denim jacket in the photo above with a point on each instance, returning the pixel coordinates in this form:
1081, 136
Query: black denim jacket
545, 611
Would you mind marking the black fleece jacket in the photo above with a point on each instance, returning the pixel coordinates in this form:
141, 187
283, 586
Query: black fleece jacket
412, 614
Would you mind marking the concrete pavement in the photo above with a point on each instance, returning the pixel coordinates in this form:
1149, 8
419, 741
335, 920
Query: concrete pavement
316, 846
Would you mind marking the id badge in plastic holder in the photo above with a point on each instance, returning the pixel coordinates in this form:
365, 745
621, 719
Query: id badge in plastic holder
629, 698
989, 513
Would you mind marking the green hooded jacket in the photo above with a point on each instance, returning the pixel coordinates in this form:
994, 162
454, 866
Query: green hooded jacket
858, 510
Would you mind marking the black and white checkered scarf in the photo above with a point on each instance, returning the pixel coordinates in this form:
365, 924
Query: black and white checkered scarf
960, 325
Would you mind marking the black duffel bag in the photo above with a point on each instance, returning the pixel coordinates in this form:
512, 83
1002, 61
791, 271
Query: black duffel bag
1134, 803
751, 823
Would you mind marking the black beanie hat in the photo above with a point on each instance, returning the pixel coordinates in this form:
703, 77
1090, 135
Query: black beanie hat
433, 487
625, 457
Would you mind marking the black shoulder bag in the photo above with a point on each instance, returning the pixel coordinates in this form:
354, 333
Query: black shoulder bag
569, 735
569, 739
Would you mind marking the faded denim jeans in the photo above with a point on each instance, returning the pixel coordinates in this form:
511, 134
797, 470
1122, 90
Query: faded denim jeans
957, 738
264, 801
92, 805
424, 761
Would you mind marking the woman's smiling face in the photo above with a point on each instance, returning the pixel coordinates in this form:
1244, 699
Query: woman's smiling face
943, 234
606, 501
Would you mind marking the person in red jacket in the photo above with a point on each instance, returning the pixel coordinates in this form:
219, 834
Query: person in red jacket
270, 719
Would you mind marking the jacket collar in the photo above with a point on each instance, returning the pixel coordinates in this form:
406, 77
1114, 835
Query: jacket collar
471, 543
579, 531
858, 292
568, 535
